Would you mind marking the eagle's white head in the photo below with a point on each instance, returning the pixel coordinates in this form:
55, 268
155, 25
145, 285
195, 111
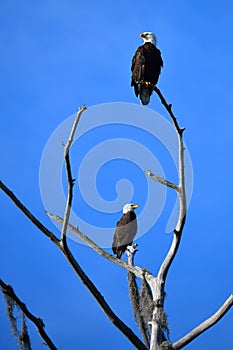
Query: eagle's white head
129, 207
148, 37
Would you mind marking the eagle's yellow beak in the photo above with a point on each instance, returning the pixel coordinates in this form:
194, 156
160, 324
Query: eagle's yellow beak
142, 35
135, 206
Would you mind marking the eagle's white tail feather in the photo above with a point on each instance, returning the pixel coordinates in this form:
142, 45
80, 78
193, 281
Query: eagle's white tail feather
145, 96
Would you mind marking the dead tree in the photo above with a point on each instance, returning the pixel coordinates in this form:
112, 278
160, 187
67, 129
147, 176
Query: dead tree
148, 303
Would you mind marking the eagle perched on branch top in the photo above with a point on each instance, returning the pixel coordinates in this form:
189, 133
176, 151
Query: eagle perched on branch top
126, 230
146, 67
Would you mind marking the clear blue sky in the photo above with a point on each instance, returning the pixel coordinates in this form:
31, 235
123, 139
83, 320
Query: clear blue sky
58, 55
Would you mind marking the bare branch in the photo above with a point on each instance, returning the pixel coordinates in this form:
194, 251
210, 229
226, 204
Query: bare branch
161, 180
204, 325
69, 174
181, 194
138, 271
72, 133
29, 215
181, 186
38, 322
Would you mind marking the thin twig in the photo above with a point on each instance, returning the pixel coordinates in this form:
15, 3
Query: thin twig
138, 271
38, 322
188, 338
74, 127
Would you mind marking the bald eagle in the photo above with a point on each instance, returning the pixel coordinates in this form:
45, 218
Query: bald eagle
126, 230
146, 67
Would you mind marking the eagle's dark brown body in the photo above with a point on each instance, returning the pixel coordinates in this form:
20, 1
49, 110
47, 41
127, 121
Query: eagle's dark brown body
125, 232
146, 67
